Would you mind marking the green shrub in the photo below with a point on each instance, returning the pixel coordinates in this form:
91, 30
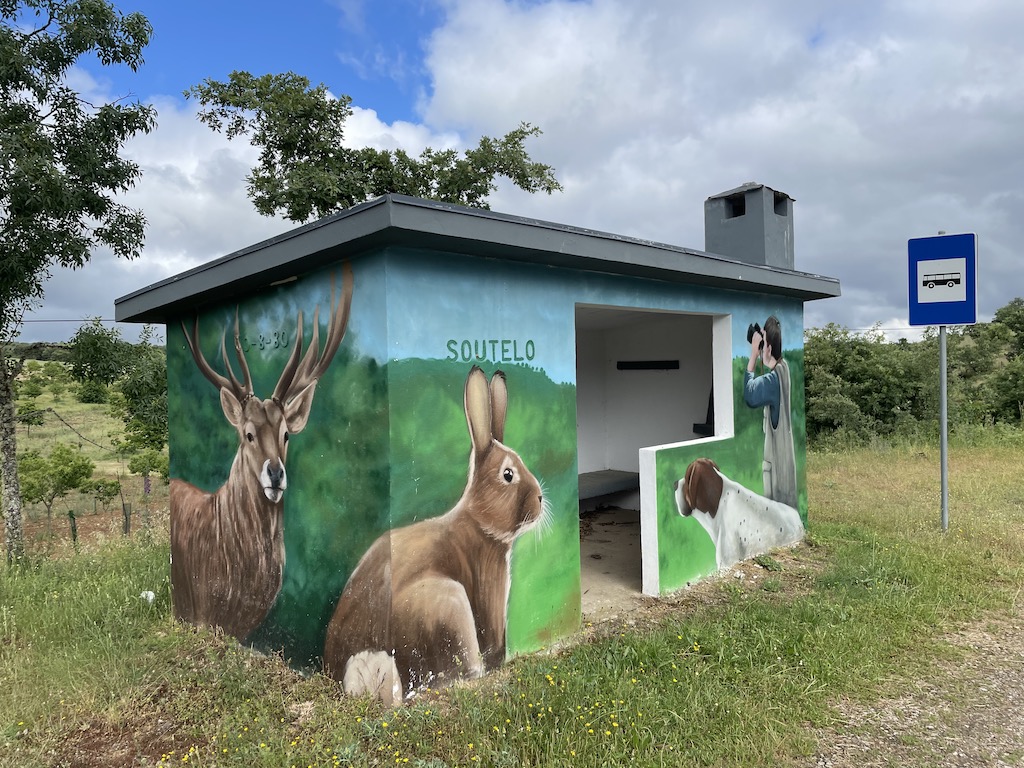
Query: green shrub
92, 392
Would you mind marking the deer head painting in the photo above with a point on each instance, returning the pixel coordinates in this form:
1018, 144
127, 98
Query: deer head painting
227, 546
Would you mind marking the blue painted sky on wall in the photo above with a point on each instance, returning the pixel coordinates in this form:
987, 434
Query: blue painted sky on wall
527, 308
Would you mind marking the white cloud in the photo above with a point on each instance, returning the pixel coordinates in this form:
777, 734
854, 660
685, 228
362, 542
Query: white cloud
365, 129
193, 193
884, 120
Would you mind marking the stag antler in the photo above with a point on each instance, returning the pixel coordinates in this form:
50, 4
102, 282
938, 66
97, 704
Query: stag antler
244, 387
239, 389
299, 375
296, 375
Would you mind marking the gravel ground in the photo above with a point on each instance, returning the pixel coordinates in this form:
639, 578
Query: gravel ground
965, 713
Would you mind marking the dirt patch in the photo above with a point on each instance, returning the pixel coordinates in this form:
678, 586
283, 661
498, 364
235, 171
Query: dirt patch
53, 538
103, 745
967, 712
610, 563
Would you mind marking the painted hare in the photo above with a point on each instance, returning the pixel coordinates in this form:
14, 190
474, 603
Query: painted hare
430, 599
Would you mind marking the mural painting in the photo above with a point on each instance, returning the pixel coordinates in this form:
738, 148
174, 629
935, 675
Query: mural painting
381, 457
377, 558
771, 391
436, 591
740, 522
227, 546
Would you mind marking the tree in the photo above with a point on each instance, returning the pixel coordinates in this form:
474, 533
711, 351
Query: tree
98, 355
144, 388
1012, 316
1008, 391
104, 491
57, 389
305, 171
54, 371
46, 479
29, 414
860, 385
30, 388
56, 377
60, 169
148, 462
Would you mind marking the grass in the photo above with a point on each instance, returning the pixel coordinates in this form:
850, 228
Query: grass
734, 672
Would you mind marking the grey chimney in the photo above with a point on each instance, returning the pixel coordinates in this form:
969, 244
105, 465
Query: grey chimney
752, 223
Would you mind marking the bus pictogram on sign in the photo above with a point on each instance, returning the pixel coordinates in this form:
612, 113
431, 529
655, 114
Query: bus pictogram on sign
949, 279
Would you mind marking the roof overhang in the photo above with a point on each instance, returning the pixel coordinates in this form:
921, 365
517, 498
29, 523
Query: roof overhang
401, 221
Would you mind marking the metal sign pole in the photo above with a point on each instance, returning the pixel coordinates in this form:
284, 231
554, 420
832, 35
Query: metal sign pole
943, 428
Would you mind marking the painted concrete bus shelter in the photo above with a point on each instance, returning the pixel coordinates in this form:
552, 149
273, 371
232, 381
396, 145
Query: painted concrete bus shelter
384, 424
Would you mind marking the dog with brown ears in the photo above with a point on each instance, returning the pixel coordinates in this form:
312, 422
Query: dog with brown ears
741, 523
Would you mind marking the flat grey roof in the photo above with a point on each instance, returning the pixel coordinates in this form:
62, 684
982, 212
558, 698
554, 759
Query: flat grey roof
399, 220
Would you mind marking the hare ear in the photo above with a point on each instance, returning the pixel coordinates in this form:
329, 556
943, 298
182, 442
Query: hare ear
478, 409
499, 405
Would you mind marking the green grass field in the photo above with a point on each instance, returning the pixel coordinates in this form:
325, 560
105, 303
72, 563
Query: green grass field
732, 673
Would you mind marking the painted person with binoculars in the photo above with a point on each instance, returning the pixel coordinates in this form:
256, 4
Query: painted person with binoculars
771, 391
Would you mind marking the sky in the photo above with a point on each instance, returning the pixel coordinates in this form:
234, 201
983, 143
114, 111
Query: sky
885, 121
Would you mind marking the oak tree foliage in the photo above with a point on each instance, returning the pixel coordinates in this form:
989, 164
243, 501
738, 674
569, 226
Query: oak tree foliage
860, 386
98, 353
305, 171
143, 403
45, 479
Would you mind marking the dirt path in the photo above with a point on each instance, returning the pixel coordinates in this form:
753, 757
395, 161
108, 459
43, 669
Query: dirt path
966, 713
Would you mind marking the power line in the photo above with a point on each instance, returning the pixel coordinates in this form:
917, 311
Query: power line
83, 437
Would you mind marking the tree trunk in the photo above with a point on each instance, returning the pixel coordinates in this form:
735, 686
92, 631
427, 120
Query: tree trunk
14, 532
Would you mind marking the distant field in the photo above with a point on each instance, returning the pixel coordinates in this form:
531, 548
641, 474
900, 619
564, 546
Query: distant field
92, 429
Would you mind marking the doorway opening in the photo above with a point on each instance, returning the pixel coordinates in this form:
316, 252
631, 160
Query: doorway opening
643, 378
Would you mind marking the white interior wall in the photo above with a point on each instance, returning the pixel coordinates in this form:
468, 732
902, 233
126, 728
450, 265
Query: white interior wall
660, 406
590, 401
724, 429
618, 412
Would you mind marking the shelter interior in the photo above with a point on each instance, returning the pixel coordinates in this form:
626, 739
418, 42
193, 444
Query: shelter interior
643, 378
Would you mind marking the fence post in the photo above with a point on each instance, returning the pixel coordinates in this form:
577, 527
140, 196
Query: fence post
127, 509
146, 488
74, 528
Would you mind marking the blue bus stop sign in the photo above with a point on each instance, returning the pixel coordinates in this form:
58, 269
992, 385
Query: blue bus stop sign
943, 280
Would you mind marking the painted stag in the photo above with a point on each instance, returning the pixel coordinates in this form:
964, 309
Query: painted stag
227, 547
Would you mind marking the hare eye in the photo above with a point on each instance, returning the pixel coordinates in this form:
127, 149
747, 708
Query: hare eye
249, 437
286, 437
508, 474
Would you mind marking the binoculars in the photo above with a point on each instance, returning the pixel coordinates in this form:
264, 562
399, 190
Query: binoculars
751, 330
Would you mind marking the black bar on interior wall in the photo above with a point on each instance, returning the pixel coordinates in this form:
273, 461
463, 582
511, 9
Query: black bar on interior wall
647, 365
